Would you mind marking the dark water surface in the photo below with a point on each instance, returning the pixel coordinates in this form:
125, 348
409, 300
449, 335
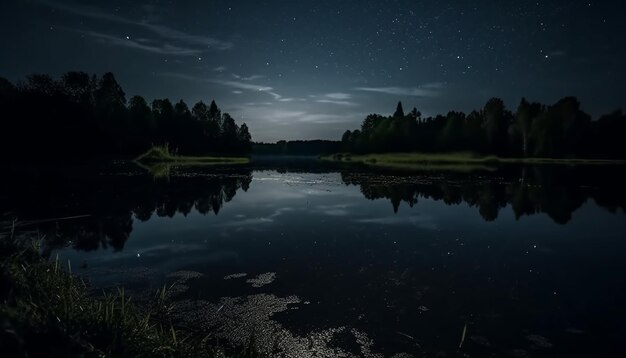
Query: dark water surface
349, 261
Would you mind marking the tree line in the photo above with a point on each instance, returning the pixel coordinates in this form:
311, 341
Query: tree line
561, 130
81, 116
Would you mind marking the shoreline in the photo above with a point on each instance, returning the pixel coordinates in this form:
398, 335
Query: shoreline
461, 161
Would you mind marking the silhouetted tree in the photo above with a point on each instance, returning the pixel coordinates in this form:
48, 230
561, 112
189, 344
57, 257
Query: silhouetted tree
142, 124
496, 125
453, 132
82, 116
399, 113
560, 130
524, 117
214, 113
109, 95
200, 111
181, 111
244, 139
79, 87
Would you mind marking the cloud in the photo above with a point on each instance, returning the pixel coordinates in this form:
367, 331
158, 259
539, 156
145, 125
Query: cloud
219, 69
342, 103
173, 34
280, 98
320, 118
274, 94
236, 85
286, 116
249, 78
280, 116
165, 32
256, 104
426, 90
144, 45
237, 92
334, 98
245, 86
338, 96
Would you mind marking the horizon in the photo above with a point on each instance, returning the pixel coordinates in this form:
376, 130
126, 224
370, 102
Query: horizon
318, 70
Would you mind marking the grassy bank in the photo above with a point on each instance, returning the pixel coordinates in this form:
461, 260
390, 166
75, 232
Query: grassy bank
162, 155
454, 161
47, 312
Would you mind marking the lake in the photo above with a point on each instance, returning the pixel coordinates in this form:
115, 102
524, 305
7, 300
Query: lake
353, 261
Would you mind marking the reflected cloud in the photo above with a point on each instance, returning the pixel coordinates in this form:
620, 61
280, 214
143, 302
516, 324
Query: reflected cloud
333, 210
425, 222
256, 221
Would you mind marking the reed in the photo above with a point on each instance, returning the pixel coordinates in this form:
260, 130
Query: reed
49, 312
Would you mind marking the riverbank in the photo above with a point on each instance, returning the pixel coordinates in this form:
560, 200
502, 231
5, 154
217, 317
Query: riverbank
45, 311
454, 161
162, 155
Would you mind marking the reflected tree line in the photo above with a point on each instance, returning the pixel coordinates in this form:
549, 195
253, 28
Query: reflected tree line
560, 130
112, 203
82, 116
557, 191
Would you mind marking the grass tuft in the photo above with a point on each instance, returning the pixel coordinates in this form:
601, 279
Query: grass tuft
47, 312
159, 161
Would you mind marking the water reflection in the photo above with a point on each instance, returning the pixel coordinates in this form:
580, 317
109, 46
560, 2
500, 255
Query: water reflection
556, 191
107, 204
113, 199
406, 259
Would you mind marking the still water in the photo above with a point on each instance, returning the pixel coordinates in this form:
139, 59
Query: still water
348, 261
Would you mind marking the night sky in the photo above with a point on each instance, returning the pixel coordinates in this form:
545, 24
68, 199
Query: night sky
312, 69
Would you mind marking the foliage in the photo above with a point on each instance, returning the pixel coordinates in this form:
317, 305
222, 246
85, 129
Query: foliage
158, 160
158, 153
84, 117
562, 130
47, 312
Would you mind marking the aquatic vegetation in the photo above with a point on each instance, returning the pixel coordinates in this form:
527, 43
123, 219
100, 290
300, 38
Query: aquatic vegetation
235, 275
185, 275
539, 341
262, 279
480, 341
236, 319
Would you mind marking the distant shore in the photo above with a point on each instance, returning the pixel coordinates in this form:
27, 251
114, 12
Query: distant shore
460, 161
